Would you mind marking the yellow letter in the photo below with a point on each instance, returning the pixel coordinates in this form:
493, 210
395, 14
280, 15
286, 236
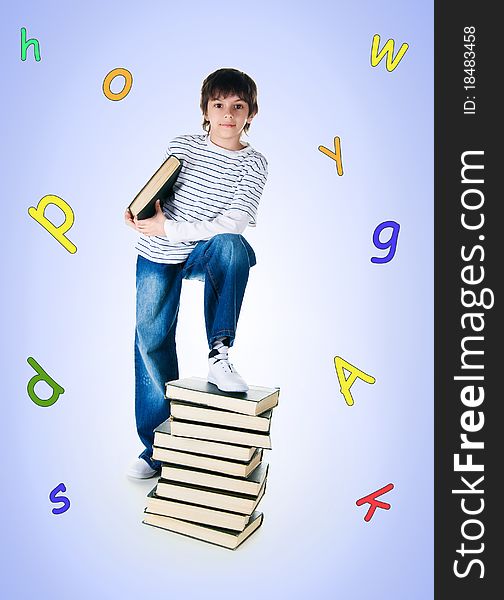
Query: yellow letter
128, 82
56, 232
346, 384
388, 49
336, 155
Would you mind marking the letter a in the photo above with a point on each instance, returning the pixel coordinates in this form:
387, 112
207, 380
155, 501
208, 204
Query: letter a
346, 384
57, 232
42, 376
388, 50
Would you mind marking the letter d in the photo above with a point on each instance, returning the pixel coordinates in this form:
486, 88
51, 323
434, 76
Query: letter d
56, 232
42, 376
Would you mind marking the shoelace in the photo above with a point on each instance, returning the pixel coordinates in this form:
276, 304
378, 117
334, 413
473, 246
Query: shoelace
223, 356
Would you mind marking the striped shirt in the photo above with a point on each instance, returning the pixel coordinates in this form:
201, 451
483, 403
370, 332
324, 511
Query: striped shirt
216, 191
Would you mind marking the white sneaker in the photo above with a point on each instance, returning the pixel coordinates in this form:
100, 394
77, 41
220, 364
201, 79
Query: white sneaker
222, 373
140, 469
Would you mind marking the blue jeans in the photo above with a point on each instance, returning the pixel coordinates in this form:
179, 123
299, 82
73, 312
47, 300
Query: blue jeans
223, 264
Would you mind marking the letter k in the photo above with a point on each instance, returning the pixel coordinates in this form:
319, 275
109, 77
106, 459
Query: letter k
374, 504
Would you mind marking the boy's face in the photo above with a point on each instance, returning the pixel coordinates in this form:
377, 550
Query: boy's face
228, 116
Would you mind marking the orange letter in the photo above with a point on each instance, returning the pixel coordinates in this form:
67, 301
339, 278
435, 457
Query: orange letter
128, 82
336, 155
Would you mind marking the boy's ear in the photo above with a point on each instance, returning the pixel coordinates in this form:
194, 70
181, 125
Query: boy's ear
250, 117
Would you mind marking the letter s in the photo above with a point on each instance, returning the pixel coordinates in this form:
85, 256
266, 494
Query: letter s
460, 575
53, 497
474, 249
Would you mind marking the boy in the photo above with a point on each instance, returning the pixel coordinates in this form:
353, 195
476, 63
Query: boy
196, 235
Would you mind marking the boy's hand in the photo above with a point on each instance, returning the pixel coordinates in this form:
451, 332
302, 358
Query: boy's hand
152, 226
128, 219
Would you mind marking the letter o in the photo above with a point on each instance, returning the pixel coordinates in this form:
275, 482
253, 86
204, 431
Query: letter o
472, 537
481, 195
127, 84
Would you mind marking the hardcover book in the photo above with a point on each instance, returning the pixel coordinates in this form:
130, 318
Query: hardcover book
241, 485
208, 463
215, 416
215, 535
196, 514
159, 187
198, 391
220, 434
244, 504
163, 438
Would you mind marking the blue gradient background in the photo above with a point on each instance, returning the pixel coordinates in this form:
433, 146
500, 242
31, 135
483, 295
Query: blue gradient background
314, 294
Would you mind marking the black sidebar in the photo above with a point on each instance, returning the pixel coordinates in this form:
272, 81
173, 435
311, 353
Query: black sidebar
469, 433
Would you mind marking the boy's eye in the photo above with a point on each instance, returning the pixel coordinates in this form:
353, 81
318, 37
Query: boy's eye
219, 105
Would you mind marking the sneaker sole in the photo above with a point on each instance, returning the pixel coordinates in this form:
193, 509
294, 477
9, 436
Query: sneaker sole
136, 476
223, 389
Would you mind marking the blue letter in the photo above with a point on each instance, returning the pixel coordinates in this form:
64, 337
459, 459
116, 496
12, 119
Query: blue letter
391, 243
63, 499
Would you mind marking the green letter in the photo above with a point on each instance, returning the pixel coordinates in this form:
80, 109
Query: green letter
25, 43
42, 376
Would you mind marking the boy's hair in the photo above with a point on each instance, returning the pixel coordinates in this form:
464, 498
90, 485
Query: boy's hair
227, 82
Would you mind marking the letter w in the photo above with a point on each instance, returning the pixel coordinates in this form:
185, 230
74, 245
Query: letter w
377, 55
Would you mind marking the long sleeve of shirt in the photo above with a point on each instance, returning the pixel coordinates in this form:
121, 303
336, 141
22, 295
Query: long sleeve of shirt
231, 221
217, 191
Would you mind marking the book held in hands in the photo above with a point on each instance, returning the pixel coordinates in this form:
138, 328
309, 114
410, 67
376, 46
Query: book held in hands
159, 187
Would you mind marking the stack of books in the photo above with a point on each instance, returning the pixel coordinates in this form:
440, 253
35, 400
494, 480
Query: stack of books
211, 449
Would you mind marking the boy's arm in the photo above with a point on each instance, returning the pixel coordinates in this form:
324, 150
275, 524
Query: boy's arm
235, 219
231, 221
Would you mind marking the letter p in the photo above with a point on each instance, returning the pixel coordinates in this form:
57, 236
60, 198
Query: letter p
57, 232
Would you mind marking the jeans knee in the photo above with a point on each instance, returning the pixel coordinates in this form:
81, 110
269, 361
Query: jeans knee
228, 239
231, 248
